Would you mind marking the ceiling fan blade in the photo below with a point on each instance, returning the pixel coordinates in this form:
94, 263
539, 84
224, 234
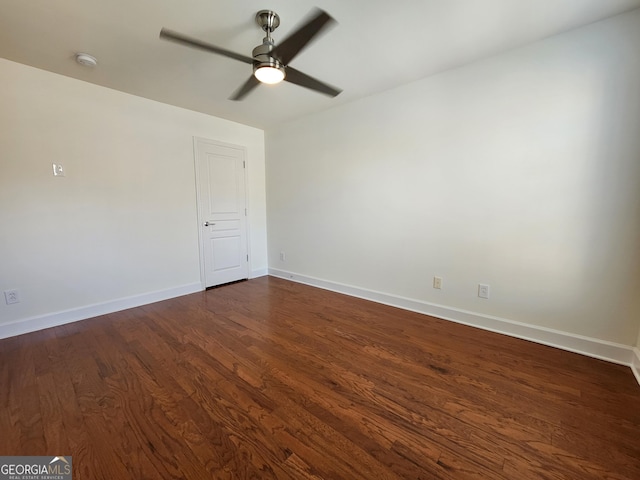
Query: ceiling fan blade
286, 50
251, 83
195, 43
304, 80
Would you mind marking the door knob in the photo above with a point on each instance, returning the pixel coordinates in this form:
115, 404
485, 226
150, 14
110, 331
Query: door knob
208, 224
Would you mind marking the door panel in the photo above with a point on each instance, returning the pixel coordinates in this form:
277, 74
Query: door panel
223, 184
222, 212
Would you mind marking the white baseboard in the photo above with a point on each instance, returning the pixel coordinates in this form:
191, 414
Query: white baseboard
592, 347
41, 322
635, 364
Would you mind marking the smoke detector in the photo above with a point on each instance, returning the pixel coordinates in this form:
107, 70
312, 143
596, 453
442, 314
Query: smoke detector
86, 60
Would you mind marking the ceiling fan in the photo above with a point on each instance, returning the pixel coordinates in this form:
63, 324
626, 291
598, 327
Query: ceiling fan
270, 62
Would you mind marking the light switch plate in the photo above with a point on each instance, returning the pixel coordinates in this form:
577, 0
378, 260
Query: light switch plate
58, 170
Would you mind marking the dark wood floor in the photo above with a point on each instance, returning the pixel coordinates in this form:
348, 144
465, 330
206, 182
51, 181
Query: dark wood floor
272, 379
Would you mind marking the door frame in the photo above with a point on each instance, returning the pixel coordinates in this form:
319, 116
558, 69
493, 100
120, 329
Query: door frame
200, 217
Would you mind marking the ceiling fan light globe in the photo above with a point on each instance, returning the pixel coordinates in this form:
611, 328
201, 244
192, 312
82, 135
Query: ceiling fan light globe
269, 74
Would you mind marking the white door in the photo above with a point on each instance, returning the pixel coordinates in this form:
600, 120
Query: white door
222, 212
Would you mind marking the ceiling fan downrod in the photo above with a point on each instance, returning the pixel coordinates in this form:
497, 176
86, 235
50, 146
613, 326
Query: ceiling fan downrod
268, 20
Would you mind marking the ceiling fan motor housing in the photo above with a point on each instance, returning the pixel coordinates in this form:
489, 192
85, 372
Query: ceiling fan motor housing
268, 20
262, 56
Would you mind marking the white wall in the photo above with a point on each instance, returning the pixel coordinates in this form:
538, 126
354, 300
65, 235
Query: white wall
122, 222
521, 171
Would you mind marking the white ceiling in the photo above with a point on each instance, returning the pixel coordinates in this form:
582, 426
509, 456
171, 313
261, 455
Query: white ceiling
376, 45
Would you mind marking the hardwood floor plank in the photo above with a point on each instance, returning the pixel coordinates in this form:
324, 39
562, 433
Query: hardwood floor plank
24, 411
299, 469
599, 449
54, 431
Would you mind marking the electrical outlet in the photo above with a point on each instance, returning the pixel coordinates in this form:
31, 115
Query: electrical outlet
11, 296
437, 282
483, 290
283, 257
58, 170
